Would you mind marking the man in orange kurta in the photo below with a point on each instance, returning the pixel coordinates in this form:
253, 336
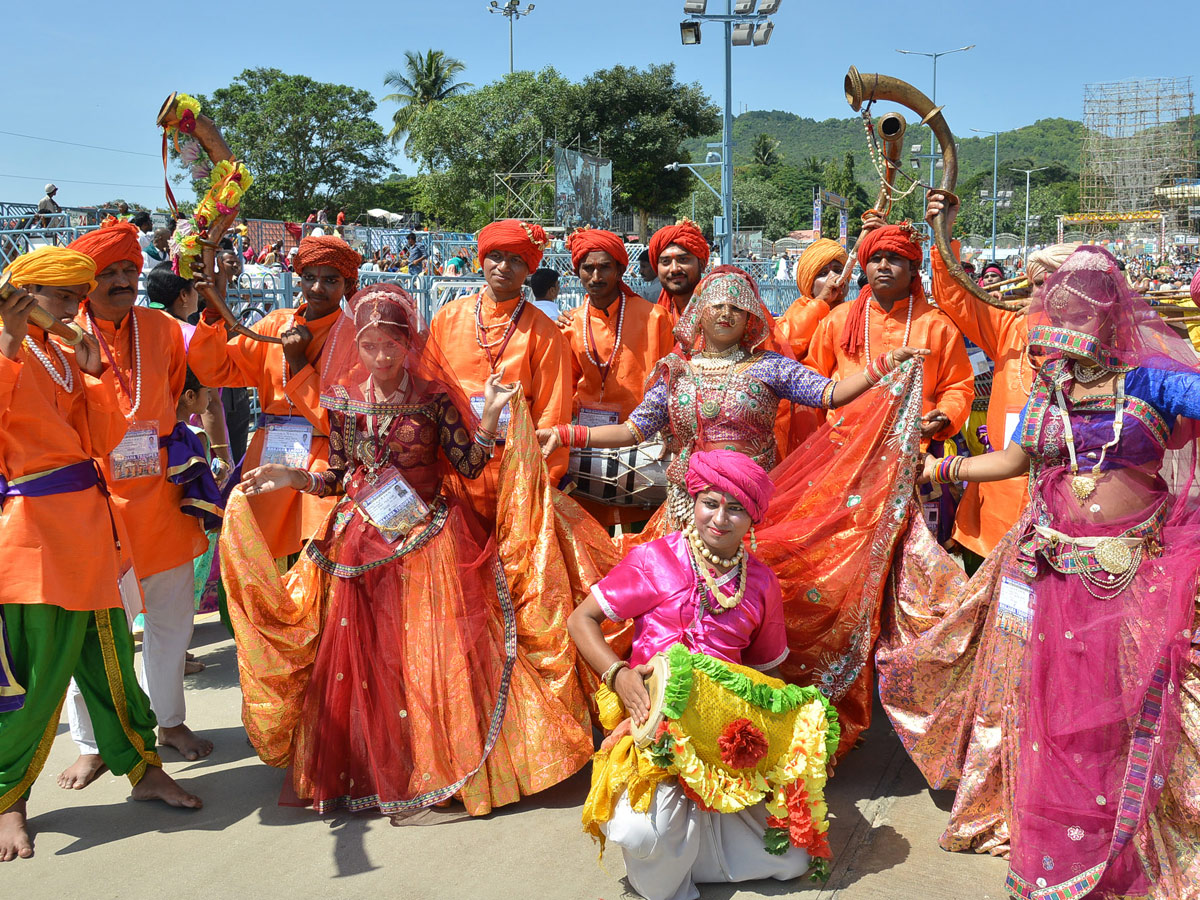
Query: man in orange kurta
145, 348
987, 511
799, 322
288, 379
680, 253
499, 330
60, 606
892, 312
615, 339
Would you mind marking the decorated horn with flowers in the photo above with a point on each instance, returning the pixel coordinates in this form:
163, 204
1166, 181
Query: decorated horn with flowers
202, 148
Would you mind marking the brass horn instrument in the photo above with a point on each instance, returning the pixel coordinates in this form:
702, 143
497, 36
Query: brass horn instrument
868, 87
209, 137
71, 335
890, 128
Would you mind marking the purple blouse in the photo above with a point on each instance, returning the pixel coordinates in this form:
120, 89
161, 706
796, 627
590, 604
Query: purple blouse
655, 585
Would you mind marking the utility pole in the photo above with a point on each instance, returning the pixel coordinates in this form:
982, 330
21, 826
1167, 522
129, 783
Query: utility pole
1025, 241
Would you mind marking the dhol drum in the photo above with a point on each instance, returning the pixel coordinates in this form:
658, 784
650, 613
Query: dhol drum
621, 476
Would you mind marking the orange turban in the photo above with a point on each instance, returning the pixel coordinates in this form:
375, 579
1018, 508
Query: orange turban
514, 236
817, 256
112, 242
330, 250
686, 235
55, 266
902, 240
583, 241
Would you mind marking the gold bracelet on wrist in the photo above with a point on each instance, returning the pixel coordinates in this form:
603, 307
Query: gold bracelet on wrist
610, 674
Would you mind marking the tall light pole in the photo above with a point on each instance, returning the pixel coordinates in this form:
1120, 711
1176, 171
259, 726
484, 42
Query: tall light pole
1025, 241
510, 11
742, 26
995, 198
933, 152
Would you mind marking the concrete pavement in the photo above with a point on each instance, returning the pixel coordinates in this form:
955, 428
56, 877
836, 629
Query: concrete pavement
99, 844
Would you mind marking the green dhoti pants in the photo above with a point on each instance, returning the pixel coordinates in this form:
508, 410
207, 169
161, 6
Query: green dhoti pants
49, 646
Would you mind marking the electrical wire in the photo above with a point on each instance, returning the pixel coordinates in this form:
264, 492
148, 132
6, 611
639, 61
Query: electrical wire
34, 137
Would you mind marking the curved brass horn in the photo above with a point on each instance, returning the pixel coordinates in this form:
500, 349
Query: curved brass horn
209, 136
865, 87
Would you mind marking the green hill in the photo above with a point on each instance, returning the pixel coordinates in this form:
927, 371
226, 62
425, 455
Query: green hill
1046, 142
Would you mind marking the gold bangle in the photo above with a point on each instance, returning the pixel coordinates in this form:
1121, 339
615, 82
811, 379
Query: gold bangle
610, 674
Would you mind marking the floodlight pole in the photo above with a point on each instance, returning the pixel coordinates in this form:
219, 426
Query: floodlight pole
1025, 242
995, 199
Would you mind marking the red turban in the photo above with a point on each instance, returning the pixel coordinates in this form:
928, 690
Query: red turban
514, 236
330, 250
110, 243
902, 240
732, 473
686, 235
583, 241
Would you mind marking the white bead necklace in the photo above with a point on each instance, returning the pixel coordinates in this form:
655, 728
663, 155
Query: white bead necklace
867, 328
135, 399
66, 381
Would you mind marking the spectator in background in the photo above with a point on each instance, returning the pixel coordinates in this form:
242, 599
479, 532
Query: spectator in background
322, 216
416, 255
123, 211
992, 272
648, 272
158, 248
544, 284
341, 220
47, 207
145, 226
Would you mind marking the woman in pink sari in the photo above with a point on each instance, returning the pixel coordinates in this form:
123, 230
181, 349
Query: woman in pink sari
1106, 800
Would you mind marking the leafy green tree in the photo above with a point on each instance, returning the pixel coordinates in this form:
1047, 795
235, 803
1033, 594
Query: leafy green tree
463, 142
305, 142
762, 205
427, 78
640, 119
397, 193
766, 151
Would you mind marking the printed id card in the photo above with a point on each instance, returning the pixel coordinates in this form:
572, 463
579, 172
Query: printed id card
595, 416
391, 505
477, 402
288, 444
137, 454
1015, 612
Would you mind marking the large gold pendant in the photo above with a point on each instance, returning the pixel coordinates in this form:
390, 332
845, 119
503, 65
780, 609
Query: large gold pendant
710, 409
1083, 486
1114, 556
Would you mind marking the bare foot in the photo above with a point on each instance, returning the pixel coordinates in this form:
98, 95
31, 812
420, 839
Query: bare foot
14, 839
82, 772
158, 785
189, 744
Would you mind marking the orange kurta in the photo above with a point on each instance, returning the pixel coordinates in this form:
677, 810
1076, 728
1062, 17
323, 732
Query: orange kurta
161, 535
537, 355
57, 549
286, 518
799, 323
645, 339
987, 511
948, 377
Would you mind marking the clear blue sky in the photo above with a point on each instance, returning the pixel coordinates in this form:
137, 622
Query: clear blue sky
96, 73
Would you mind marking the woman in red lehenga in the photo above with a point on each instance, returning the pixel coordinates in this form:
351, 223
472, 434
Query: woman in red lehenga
841, 499
1095, 767
385, 670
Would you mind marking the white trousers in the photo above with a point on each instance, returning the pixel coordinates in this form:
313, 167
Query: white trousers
677, 845
170, 618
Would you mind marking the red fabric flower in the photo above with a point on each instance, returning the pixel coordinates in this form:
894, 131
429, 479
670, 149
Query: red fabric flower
187, 122
799, 823
694, 797
742, 744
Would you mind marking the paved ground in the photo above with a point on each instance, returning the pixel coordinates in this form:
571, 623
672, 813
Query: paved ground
99, 844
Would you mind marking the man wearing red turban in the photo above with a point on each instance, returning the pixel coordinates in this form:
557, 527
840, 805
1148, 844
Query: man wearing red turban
615, 340
288, 379
146, 350
499, 330
680, 252
889, 313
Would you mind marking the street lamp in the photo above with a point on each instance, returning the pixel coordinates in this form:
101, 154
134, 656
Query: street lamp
934, 157
995, 198
1025, 242
510, 11
743, 27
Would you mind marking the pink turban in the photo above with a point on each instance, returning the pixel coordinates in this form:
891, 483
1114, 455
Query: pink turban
731, 473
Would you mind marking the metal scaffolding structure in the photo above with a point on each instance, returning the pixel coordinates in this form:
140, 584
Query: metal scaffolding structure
1138, 151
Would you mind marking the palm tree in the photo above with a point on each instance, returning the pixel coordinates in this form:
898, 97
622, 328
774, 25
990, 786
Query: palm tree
766, 150
427, 78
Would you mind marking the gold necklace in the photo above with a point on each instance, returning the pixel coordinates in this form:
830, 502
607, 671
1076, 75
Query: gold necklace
1084, 485
700, 554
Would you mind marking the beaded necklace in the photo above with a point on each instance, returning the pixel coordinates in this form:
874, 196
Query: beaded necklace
135, 395
510, 327
66, 381
700, 556
867, 328
593, 351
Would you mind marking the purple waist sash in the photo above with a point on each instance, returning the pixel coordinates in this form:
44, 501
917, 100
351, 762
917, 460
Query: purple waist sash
76, 477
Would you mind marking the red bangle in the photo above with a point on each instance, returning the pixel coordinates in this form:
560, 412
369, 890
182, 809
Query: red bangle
581, 436
564, 434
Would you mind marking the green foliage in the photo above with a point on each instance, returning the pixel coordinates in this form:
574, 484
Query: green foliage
397, 193
766, 151
427, 78
640, 119
464, 140
306, 142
